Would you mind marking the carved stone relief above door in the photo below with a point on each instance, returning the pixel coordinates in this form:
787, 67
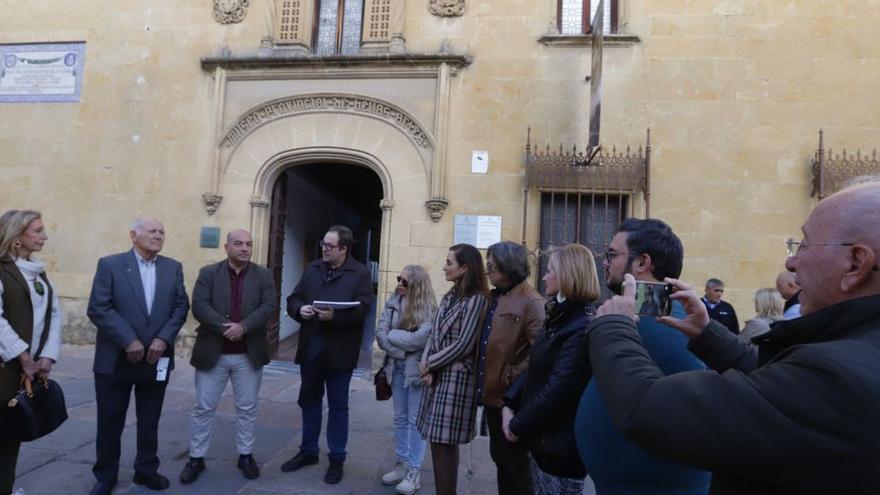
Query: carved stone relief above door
230, 11
446, 8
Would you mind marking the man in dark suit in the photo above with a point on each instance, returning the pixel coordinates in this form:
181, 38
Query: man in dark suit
329, 344
232, 301
139, 304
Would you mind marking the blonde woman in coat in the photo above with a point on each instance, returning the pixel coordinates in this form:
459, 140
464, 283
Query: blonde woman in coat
448, 411
402, 333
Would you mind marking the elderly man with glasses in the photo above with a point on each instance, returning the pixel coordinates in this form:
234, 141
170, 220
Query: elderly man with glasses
801, 414
329, 344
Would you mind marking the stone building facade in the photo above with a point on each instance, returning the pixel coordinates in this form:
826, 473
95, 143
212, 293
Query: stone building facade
282, 115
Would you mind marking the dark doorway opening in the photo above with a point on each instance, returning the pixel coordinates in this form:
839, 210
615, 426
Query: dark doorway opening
306, 200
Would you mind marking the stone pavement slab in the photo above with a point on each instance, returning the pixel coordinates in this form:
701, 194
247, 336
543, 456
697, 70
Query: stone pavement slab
61, 462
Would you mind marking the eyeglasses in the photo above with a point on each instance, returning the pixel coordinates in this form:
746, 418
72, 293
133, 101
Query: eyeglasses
328, 246
610, 255
402, 281
794, 247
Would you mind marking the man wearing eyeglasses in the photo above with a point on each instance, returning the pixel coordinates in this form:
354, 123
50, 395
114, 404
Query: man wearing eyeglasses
329, 344
649, 251
801, 414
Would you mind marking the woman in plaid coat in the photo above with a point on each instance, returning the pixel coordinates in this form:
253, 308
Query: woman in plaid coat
447, 416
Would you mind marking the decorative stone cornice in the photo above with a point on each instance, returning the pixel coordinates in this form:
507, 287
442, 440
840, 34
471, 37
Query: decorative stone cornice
436, 207
325, 102
230, 11
212, 202
446, 8
283, 59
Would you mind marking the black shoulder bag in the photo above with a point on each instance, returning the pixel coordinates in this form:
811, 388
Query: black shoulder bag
38, 408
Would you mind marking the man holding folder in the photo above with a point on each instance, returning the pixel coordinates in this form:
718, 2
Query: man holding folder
329, 344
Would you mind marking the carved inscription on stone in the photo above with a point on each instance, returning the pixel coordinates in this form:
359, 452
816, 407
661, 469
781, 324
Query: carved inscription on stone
446, 8
230, 11
324, 103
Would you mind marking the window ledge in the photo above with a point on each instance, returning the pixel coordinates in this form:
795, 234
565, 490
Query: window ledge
587, 39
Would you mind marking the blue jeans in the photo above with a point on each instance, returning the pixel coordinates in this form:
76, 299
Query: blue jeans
311, 397
408, 442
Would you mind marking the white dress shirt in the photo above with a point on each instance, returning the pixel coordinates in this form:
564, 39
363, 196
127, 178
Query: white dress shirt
147, 268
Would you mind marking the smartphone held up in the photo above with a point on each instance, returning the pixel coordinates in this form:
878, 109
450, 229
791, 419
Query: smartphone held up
652, 298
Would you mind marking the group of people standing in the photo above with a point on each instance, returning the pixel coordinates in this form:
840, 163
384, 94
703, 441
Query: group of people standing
568, 389
523, 357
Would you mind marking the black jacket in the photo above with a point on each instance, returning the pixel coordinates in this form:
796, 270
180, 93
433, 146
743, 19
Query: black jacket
802, 415
546, 396
723, 313
334, 344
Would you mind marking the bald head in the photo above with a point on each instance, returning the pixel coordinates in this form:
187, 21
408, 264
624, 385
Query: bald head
239, 248
837, 259
786, 285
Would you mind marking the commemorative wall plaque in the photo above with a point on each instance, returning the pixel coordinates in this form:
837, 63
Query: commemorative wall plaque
41, 72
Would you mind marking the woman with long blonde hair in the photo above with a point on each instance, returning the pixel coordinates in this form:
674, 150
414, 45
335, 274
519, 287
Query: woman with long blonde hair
30, 325
402, 332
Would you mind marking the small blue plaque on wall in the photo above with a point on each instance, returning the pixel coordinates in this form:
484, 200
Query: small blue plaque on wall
210, 237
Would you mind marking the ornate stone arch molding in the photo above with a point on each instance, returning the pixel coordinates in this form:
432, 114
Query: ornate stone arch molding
270, 171
300, 104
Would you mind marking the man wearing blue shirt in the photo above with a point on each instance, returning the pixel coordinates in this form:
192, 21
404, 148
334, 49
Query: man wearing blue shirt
650, 251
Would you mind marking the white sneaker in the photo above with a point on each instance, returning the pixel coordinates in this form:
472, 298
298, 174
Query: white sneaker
410, 483
394, 476
19, 491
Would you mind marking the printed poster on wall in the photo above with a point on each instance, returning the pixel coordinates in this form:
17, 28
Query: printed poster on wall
41, 72
477, 230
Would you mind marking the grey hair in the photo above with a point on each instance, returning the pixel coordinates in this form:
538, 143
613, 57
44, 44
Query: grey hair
714, 282
511, 259
137, 226
861, 179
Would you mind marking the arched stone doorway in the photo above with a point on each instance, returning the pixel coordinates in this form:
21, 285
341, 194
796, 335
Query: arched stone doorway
308, 198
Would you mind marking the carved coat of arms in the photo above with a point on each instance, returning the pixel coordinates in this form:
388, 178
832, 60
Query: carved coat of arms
230, 11
446, 8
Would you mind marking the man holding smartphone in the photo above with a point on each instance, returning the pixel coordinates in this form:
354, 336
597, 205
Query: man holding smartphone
650, 251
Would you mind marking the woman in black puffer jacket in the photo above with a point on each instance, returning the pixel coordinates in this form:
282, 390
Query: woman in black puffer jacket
542, 404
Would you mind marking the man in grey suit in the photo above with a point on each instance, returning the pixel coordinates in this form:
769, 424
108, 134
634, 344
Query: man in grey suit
232, 301
138, 302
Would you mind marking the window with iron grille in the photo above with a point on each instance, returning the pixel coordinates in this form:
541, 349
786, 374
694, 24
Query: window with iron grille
587, 218
338, 27
571, 17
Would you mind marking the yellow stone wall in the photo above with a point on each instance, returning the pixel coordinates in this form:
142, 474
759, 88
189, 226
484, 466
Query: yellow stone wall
734, 93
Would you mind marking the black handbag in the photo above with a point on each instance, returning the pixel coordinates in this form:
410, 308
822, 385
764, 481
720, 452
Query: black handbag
38, 408
383, 388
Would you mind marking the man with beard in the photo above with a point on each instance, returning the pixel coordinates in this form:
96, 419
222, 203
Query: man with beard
650, 251
799, 414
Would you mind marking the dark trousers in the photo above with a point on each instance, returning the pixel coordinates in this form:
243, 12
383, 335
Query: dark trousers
315, 379
8, 460
511, 459
112, 399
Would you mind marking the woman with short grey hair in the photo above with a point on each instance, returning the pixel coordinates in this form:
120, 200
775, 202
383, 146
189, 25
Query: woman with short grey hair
516, 314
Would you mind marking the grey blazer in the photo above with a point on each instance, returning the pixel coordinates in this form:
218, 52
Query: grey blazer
118, 308
210, 307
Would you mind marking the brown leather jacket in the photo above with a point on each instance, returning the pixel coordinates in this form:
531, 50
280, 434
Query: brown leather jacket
518, 318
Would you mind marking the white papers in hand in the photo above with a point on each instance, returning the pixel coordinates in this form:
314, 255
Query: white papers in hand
162, 369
